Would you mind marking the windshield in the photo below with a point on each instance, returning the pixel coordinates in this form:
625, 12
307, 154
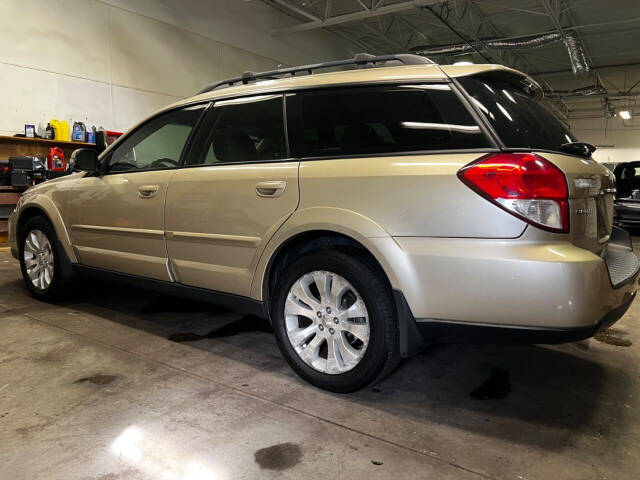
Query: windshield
520, 120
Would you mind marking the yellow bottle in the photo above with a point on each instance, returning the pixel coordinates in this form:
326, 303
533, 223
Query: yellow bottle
66, 131
60, 130
57, 131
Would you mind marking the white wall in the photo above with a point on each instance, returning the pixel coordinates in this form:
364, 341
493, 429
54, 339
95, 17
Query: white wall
113, 62
616, 141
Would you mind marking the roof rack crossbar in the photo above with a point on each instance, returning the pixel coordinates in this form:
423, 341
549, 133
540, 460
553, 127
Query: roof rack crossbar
363, 60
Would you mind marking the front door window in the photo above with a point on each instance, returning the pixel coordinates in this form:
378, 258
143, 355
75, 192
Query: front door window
156, 145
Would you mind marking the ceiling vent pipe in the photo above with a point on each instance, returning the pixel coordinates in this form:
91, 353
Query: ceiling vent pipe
524, 42
578, 92
577, 56
512, 44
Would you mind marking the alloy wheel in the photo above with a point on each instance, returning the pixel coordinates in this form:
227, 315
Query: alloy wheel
327, 322
38, 259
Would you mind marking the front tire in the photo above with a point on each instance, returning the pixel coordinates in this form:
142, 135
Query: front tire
334, 321
40, 260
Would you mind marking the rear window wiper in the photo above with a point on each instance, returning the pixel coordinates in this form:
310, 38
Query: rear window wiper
578, 148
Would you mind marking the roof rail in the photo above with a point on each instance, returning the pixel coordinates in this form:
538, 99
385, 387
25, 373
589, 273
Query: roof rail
362, 60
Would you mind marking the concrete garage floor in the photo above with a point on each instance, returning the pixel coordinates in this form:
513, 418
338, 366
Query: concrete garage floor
99, 388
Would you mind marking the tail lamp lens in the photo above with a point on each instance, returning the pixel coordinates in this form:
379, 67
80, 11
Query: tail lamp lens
524, 184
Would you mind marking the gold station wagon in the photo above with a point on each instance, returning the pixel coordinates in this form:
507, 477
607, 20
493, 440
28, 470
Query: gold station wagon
366, 212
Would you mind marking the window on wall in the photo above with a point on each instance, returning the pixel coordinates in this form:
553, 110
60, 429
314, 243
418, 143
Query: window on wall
373, 120
158, 144
245, 130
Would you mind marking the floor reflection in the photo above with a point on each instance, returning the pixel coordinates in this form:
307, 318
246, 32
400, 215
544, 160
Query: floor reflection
158, 458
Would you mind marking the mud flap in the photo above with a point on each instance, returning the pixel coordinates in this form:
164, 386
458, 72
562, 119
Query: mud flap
411, 341
65, 264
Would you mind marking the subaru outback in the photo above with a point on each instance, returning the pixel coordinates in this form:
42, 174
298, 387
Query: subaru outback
366, 212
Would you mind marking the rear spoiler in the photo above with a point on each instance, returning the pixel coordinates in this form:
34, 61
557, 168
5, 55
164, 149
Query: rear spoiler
522, 82
497, 72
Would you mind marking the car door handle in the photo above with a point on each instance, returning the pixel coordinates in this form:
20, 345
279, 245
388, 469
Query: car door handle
147, 191
270, 189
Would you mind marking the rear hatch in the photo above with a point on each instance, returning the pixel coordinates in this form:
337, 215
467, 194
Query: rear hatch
591, 195
508, 102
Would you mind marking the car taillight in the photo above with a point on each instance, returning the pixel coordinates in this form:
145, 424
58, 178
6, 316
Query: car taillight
525, 185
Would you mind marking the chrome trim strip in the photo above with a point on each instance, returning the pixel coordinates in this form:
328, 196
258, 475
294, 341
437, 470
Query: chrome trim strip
118, 230
221, 239
110, 255
172, 275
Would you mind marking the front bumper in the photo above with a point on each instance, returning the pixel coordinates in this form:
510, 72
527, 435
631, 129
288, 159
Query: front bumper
526, 285
13, 240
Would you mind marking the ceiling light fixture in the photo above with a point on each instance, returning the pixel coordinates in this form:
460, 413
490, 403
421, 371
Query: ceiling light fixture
625, 114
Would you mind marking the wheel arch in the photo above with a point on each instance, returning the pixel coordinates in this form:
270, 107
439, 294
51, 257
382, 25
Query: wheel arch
45, 207
27, 213
319, 228
311, 240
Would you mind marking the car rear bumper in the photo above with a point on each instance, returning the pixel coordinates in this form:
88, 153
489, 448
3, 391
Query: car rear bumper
512, 288
460, 332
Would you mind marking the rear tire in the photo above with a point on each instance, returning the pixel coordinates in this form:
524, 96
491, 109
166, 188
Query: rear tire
40, 260
341, 341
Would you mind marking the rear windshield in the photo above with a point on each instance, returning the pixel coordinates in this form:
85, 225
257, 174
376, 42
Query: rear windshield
520, 120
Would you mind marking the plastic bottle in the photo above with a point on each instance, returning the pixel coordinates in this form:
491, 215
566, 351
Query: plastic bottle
60, 130
56, 127
91, 135
65, 131
79, 132
101, 137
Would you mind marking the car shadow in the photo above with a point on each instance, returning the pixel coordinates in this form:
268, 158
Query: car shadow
529, 394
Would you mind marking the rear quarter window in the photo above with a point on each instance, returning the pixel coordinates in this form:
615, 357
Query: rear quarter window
520, 120
378, 120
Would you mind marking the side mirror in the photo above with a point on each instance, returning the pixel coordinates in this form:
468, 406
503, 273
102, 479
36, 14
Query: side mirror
84, 160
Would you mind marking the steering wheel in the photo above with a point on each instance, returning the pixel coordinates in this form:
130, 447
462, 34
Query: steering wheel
122, 167
163, 162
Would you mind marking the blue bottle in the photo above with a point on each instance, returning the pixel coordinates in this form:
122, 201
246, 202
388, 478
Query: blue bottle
79, 132
91, 135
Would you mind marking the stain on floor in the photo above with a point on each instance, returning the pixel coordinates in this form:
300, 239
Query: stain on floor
127, 473
496, 387
250, 323
98, 379
278, 457
613, 336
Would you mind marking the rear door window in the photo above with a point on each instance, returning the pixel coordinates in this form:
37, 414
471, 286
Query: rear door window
520, 120
247, 129
378, 120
